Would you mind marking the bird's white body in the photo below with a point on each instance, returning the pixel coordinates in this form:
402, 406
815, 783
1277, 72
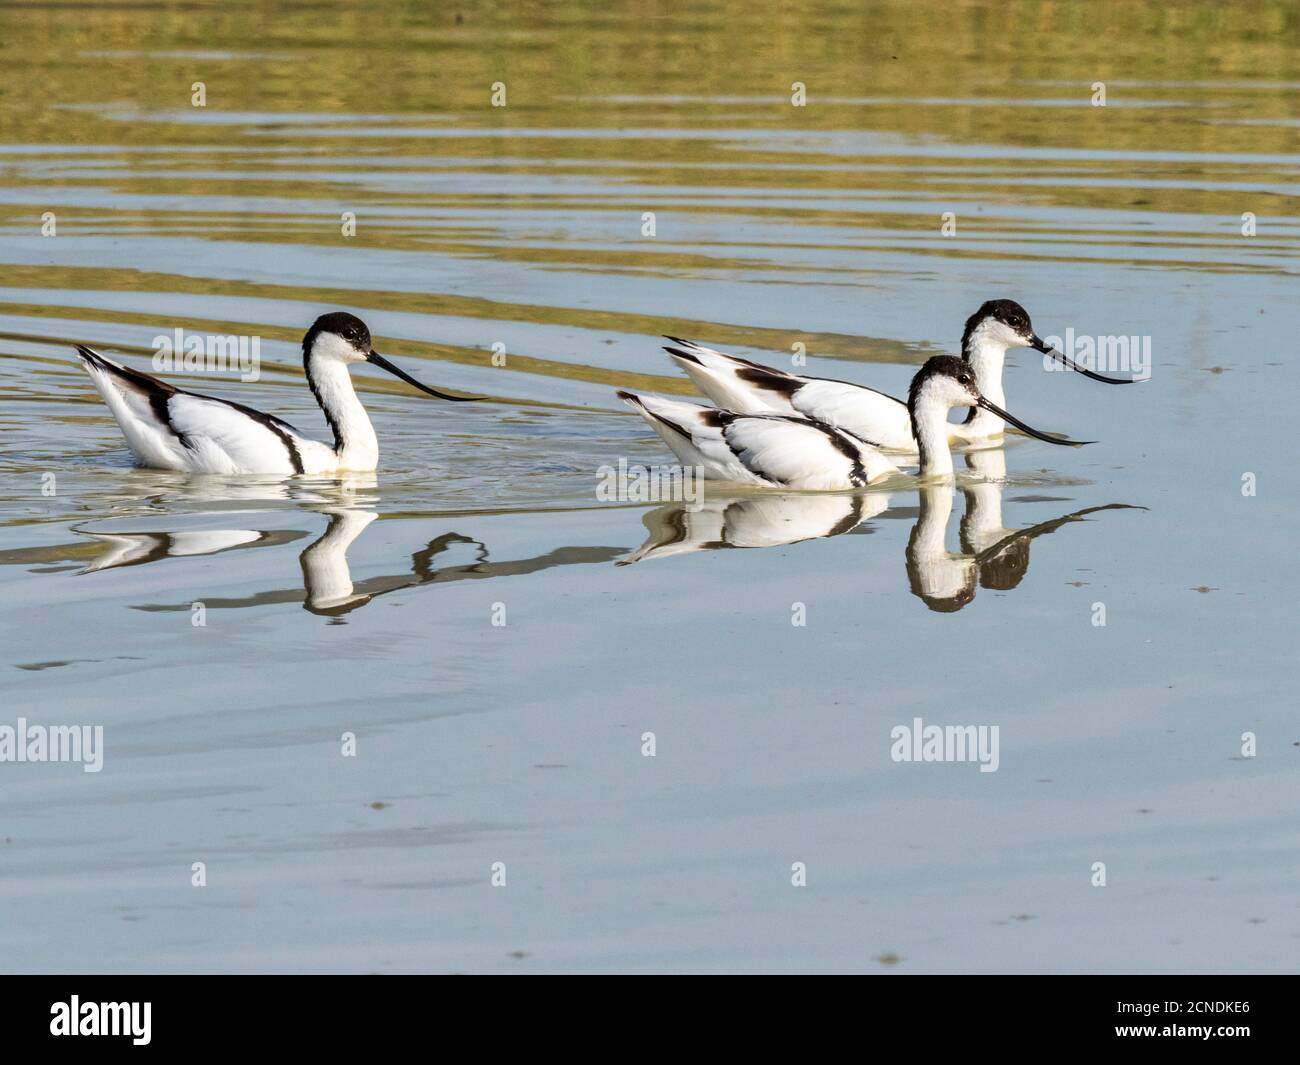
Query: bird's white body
769, 450
169, 428
751, 388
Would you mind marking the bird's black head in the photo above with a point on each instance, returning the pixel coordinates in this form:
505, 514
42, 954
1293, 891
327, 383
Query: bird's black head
1007, 568
947, 370
1001, 320
1007, 323
947, 381
339, 337
351, 329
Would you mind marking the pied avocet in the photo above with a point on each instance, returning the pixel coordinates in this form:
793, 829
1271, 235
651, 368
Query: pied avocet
170, 429
793, 451
752, 388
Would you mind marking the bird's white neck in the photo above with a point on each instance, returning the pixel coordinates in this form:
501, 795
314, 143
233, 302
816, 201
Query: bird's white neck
354, 436
981, 523
930, 424
986, 355
945, 581
325, 572
927, 541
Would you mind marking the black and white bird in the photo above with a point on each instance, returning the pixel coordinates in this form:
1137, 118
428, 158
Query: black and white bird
752, 388
795, 451
169, 428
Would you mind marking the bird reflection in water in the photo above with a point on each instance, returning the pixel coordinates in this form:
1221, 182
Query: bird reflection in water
327, 586
991, 555
767, 520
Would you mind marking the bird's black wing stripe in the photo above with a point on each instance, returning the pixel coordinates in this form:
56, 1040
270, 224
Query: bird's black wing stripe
859, 438
684, 355
857, 472
771, 380
801, 381
731, 358
760, 376
852, 519
141, 380
631, 398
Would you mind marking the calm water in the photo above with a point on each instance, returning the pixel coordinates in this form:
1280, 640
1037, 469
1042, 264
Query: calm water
366, 606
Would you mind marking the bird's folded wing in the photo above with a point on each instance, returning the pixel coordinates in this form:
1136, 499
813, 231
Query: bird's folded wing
247, 438
796, 453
